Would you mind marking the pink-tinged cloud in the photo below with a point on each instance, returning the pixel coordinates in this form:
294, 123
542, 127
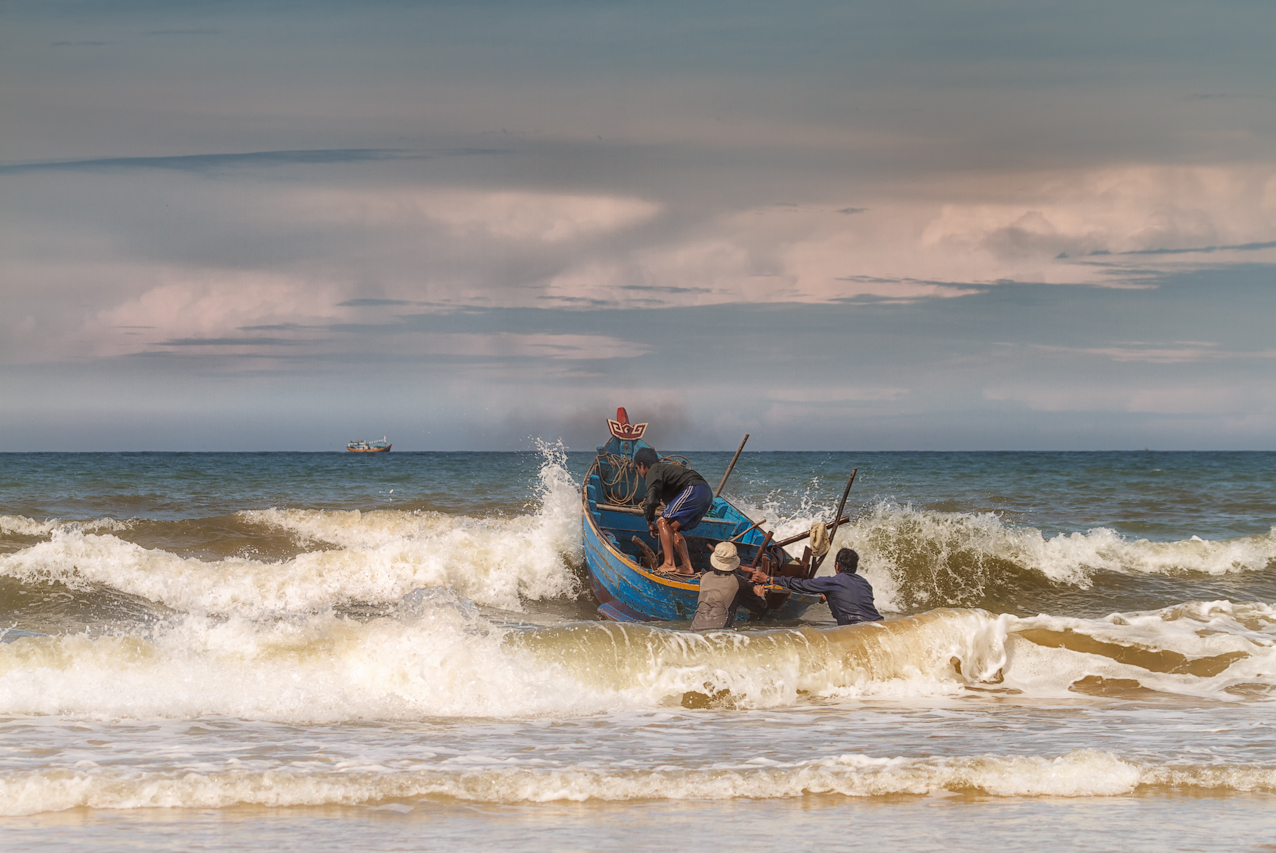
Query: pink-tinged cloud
1179, 352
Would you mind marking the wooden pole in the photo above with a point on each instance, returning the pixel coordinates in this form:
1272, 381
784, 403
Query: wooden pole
761, 549
784, 543
729, 467
837, 519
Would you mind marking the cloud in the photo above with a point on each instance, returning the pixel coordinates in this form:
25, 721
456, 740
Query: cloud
512, 345
190, 308
1050, 220
222, 312
188, 260
504, 215
229, 342
376, 303
1178, 352
210, 164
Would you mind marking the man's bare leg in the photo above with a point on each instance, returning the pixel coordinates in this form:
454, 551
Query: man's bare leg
680, 542
671, 539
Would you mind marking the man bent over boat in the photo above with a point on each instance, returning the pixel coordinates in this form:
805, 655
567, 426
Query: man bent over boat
849, 596
687, 497
722, 590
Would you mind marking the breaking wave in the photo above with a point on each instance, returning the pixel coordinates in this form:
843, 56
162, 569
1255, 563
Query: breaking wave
1079, 773
438, 656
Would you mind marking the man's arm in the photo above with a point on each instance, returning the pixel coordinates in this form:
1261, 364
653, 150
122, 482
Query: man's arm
811, 586
652, 500
748, 597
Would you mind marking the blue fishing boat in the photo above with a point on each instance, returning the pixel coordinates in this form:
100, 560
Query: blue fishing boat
620, 551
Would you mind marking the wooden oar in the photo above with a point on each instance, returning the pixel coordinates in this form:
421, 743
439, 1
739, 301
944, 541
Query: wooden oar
837, 519
729, 467
648, 554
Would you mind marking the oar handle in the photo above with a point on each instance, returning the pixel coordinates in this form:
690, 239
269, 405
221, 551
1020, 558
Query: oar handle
731, 466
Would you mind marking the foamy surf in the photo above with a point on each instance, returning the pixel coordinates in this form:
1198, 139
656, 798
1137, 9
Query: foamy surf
1079, 773
915, 559
362, 557
314, 653
923, 558
439, 657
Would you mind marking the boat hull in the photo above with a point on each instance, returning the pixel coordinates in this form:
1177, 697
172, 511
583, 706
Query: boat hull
385, 449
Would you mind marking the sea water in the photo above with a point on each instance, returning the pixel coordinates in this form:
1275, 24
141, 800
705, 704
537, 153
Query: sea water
337, 651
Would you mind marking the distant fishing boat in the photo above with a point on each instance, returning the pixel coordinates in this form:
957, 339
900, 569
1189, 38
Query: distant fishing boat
362, 446
619, 549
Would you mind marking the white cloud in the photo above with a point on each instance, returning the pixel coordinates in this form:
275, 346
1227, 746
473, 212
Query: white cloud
1014, 219
508, 215
212, 305
510, 344
1177, 352
1076, 227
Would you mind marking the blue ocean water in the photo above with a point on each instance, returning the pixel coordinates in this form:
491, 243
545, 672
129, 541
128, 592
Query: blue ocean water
1160, 496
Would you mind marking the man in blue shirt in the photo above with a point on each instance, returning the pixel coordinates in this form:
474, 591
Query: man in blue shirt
849, 596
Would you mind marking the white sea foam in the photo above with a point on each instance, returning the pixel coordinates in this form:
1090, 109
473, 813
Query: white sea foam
958, 554
439, 657
1080, 773
955, 556
1212, 650
17, 525
376, 557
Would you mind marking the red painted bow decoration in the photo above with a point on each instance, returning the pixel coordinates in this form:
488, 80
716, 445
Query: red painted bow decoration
622, 429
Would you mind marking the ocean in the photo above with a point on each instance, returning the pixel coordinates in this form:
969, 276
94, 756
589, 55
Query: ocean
331, 651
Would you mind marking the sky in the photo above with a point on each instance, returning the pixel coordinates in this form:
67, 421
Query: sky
947, 225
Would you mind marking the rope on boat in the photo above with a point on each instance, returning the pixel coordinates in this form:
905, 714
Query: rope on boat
620, 477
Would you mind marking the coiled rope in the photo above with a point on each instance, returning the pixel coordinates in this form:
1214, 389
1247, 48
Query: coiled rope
620, 478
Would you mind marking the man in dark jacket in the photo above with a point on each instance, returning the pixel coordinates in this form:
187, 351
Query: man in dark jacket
687, 497
849, 596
